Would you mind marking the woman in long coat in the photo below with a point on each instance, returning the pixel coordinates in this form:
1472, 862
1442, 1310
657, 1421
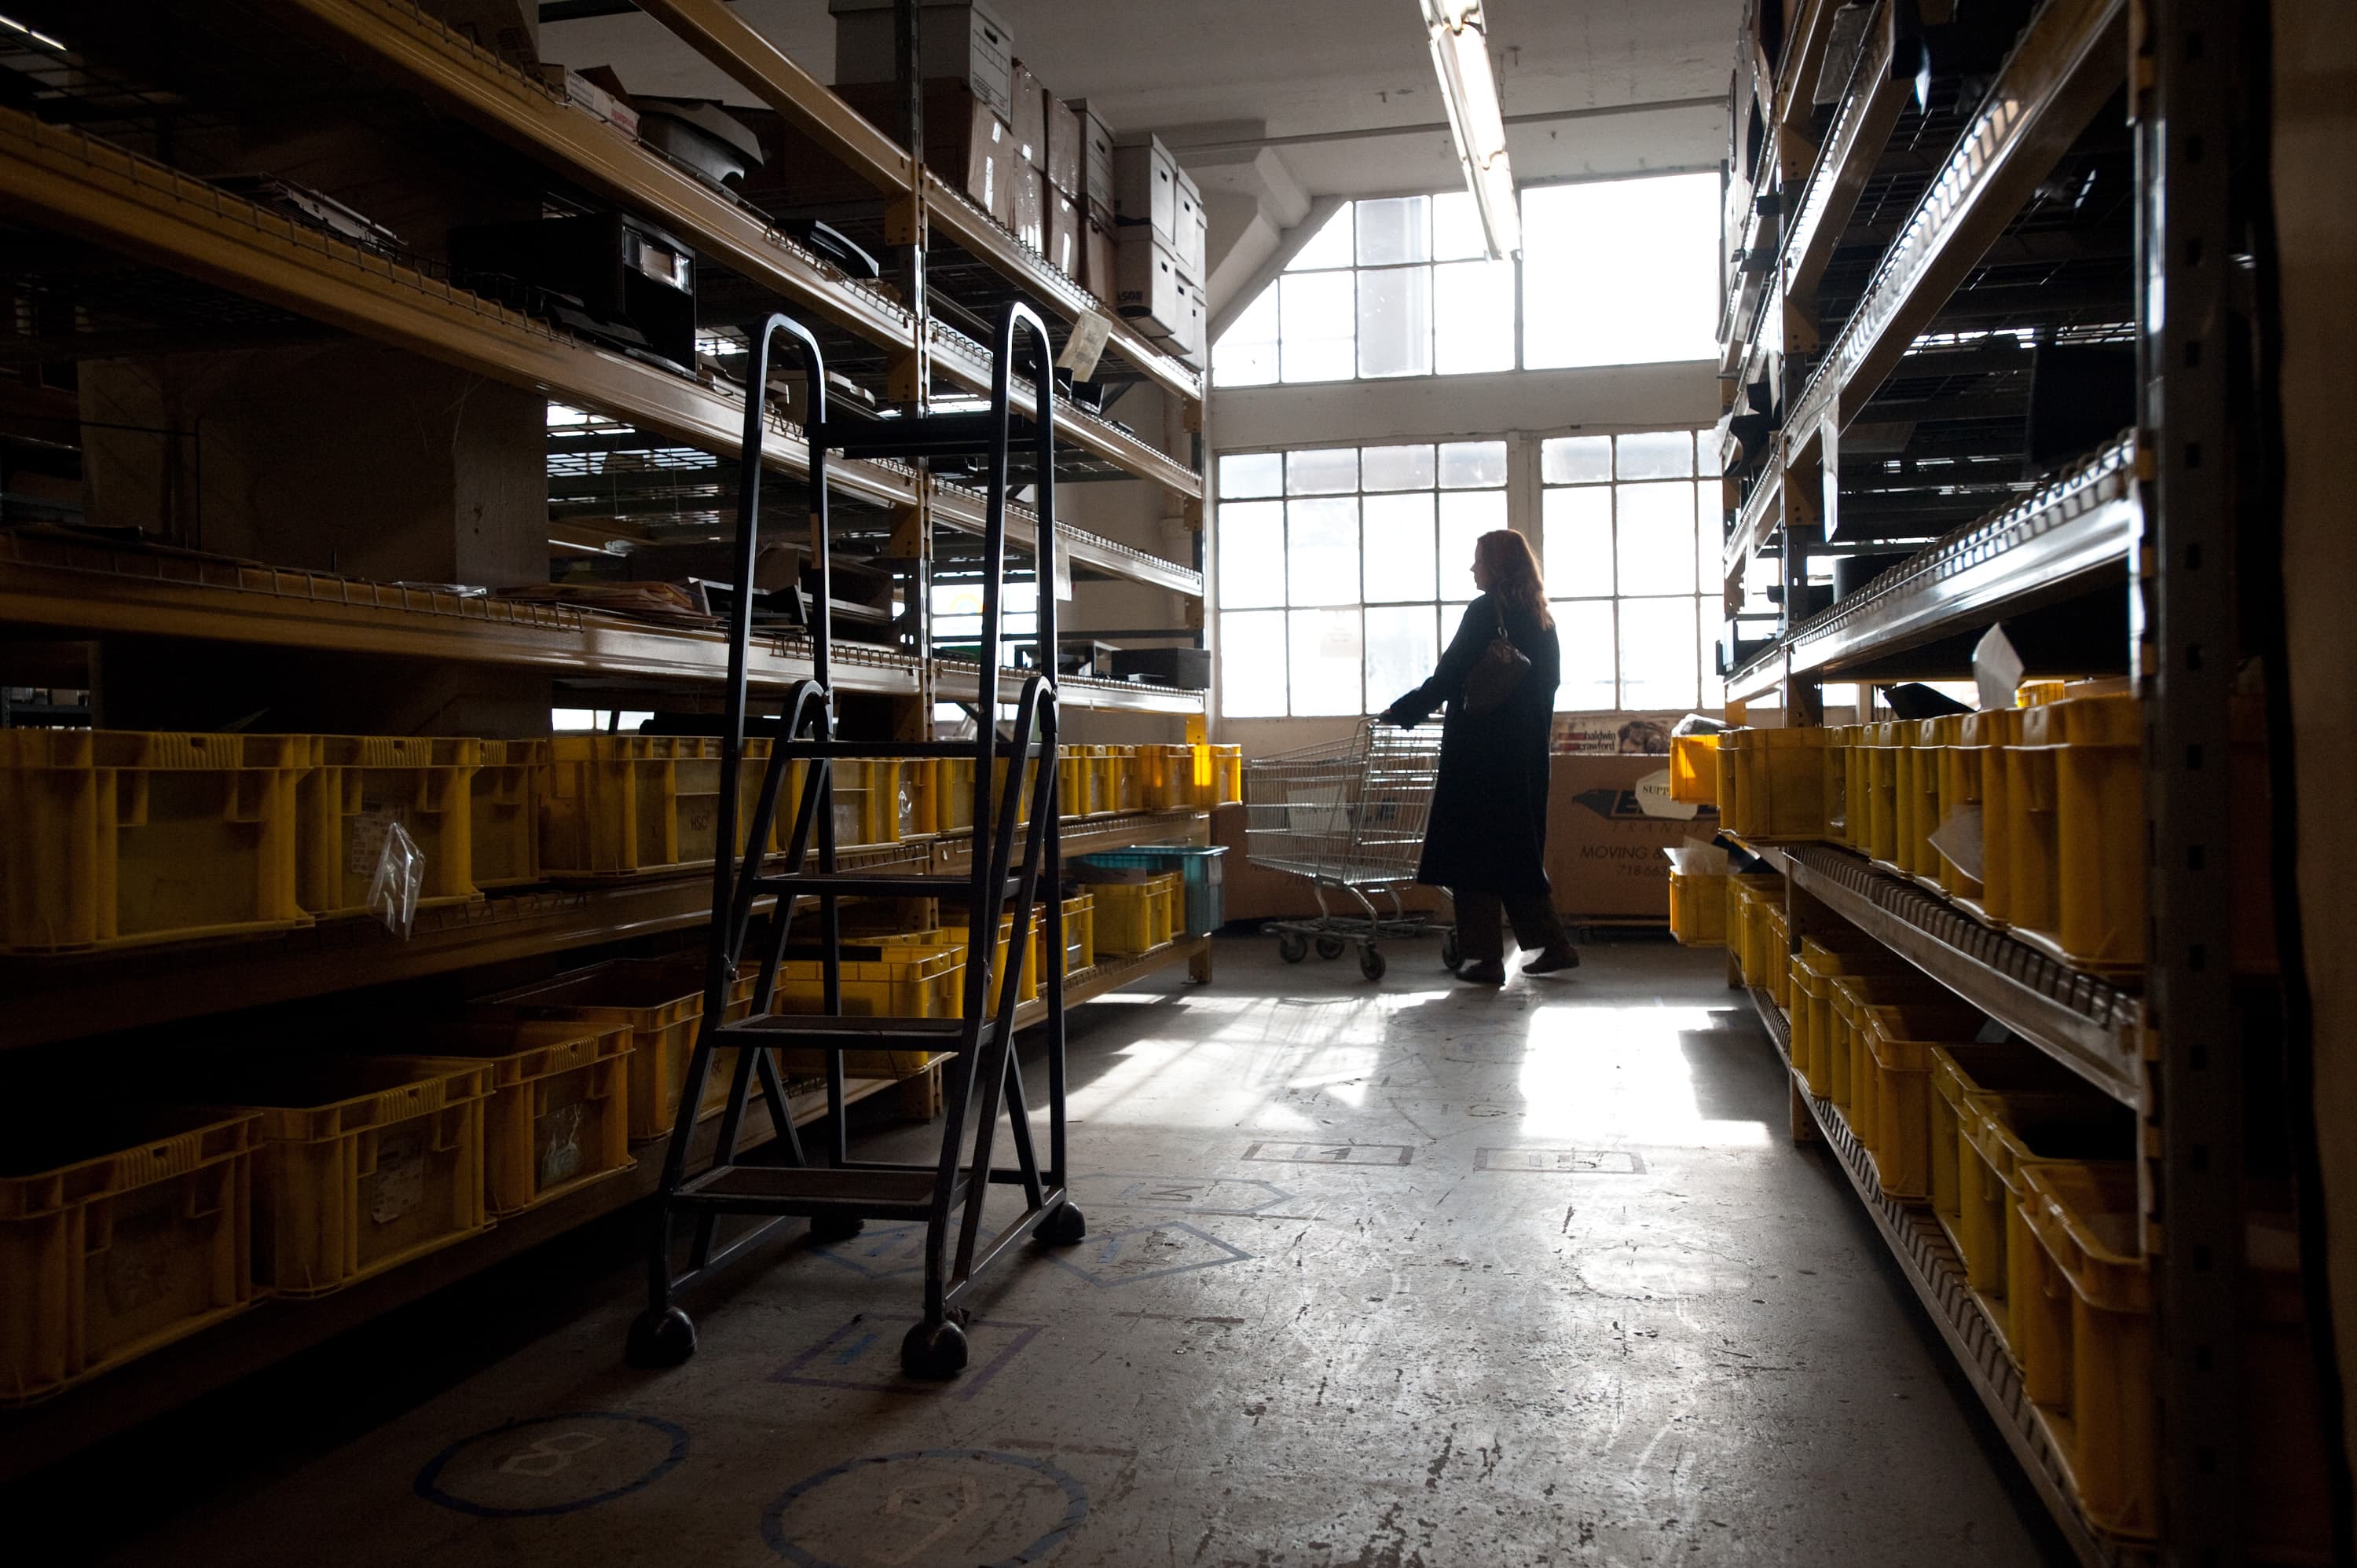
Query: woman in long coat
1486, 840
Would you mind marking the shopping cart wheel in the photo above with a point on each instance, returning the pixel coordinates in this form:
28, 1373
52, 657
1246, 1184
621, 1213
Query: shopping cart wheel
1292, 946
1450, 953
1371, 964
1329, 947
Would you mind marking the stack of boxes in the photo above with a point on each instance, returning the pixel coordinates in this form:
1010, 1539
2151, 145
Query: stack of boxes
1121, 218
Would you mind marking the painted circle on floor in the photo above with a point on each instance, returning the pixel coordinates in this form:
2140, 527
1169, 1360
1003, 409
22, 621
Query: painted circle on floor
926, 1508
549, 1464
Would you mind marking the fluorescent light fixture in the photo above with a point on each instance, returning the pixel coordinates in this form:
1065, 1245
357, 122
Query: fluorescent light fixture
1461, 53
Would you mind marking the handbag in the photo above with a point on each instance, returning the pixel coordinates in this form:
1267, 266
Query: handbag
1495, 675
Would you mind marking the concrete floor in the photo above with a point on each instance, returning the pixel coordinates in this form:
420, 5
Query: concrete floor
1400, 1276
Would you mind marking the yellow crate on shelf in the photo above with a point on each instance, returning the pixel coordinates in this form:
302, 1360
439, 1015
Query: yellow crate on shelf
115, 838
1879, 749
944, 793
1814, 967
1128, 778
953, 935
1958, 1072
660, 1002
363, 785
1025, 781
1072, 781
619, 805
1133, 918
118, 1236
505, 813
559, 1114
1971, 778
1694, 770
1749, 896
1856, 787
1894, 1107
1776, 783
1920, 765
363, 1165
2075, 800
1698, 909
1227, 775
1776, 951
1848, 1068
905, 980
1080, 932
2000, 1133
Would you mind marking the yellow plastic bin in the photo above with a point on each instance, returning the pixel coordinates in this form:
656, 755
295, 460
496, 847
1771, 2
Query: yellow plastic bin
558, 1117
1776, 952
1129, 789
2001, 1132
505, 812
1133, 918
119, 1235
1698, 909
891, 979
1167, 777
1881, 746
1920, 765
1750, 895
1972, 780
1895, 1119
951, 935
660, 1002
1848, 1068
619, 805
2078, 805
1227, 775
364, 1163
1811, 1012
1958, 1072
363, 786
114, 838
1785, 782
1694, 770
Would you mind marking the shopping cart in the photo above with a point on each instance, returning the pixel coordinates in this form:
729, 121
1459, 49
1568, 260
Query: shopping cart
1349, 816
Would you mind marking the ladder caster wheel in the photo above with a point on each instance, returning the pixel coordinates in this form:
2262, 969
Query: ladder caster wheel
1450, 953
1371, 964
1293, 946
934, 1351
1329, 947
661, 1339
830, 1227
1063, 1227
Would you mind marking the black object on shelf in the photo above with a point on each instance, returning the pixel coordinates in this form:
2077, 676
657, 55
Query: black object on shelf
700, 134
1914, 700
1185, 669
605, 274
831, 242
313, 210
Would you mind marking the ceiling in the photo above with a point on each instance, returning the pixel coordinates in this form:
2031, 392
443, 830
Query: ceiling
1343, 89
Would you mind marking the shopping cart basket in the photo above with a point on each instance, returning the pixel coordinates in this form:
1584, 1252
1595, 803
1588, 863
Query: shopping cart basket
1349, 816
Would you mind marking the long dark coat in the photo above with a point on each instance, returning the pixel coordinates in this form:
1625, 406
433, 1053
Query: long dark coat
1488, 829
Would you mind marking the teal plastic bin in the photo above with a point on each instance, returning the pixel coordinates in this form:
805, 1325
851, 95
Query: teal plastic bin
1198, 866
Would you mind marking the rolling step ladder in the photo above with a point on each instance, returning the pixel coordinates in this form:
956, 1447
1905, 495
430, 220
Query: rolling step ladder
985, 1077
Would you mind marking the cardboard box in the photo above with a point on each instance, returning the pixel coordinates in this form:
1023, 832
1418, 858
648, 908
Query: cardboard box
1028, 118
509, 29
1028, 200
1063, 248
1063, 145
1100, 268
1145, 188
1096, 163
579, 90
1187, 216
966, 145
1148, 290
964, 43
1603, 847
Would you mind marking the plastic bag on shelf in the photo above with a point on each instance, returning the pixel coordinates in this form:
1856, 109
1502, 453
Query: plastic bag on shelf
399, 878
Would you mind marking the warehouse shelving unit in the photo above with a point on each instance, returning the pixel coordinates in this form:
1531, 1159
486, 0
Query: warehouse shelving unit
89, 188
1894, 263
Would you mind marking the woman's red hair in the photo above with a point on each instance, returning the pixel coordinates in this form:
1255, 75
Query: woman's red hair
1513, 571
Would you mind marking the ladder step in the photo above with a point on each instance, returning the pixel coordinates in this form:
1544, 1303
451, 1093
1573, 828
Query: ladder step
822, 1032
932, 435
872, 885
808, 1189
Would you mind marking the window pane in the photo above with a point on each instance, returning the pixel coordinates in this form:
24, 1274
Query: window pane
1402, 648
1657, 538
1329, 247
1245, 355
1583, 629
1472, 465
1251, 554
1473, 317
1579, 541
1657, 654
1399, 558
1656, 454
1322, 551
1713, 687
1329, 471
1710, 534
1251, 474
1457, 228
1326, 659
1394, 231
1396, 467
1576, 459
1464, 517
1395, 322
1319, 311
1252, 664
1648, 246
1452, 614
